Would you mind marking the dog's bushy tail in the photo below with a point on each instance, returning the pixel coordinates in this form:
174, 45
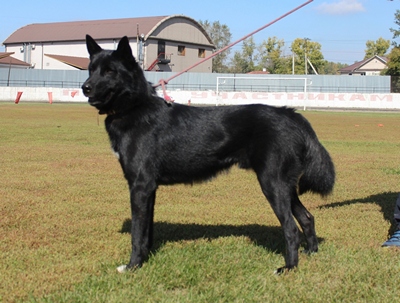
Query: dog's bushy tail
318, 169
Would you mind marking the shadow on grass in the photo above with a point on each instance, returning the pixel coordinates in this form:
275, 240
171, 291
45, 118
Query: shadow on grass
268, 237
385, 200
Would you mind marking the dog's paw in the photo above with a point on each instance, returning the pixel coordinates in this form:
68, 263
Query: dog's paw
122, 269
280, 271
283, 270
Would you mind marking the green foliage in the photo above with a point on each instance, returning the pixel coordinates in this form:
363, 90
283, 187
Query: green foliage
393, 69
64, 211
378, 47
303, 48
269, 54
244, 61
221, 36
393, 65
270, 57
396, 31
332, 68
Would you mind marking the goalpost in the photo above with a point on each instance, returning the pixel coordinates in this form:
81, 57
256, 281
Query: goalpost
262, 84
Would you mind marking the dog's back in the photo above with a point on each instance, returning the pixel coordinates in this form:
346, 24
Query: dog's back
207, 140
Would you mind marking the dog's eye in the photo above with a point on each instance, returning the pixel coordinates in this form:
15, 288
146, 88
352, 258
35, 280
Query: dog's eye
108, 71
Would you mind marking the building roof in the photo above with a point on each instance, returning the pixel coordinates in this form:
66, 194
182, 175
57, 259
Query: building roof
258, 72
77, 62
358, 65
3, 55
6, 59
98, 29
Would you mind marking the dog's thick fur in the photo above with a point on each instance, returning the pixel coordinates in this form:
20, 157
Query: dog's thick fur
159, 143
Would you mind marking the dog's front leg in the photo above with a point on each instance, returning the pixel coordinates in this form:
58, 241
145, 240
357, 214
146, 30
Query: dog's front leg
142, 208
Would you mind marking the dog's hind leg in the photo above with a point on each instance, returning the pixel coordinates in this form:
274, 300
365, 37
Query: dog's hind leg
306, 221
142, 208
278, 195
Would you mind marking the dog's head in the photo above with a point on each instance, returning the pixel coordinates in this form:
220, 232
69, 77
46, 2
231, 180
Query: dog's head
114, 76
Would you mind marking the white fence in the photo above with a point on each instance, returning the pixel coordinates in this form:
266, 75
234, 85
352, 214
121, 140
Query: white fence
296, 99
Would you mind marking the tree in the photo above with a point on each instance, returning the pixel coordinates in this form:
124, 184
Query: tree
270, 57
393, 65
332, 68
221, 36
243, 62
302, 47
396, 32
378, 47
393, 69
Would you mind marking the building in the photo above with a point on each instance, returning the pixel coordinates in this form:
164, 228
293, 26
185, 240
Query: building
368, 67
164, 43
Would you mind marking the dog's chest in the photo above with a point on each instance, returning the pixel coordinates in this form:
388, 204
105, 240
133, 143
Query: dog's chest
115, 152
115, 147
115, 136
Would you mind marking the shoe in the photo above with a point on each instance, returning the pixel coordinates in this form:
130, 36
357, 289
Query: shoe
394, 240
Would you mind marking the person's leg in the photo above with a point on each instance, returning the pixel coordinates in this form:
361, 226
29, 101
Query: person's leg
397, 212
394, 240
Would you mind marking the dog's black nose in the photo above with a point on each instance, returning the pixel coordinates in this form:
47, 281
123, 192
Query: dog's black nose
86, 88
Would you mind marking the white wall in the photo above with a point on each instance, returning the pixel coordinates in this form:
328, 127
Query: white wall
300, 99
74, 49
315, 100
41, 94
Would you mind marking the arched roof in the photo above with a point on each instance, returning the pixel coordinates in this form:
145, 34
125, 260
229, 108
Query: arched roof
195, 23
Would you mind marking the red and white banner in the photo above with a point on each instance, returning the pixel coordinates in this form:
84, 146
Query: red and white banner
298, 99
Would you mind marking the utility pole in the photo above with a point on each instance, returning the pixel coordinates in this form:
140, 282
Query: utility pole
292, 62
305, 55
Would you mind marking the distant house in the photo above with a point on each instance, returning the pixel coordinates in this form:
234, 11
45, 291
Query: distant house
368, 67
164, 43
7, 61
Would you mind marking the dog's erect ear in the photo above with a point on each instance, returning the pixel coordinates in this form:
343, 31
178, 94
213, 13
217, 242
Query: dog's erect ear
124, 50
92, 47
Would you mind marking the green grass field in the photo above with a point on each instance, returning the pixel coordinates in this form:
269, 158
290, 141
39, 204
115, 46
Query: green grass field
65, 211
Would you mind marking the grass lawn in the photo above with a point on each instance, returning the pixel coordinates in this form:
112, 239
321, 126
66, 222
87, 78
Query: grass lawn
65, 211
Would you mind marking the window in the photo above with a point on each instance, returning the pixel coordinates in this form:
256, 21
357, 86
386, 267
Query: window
181, 50
202, 53
161, 50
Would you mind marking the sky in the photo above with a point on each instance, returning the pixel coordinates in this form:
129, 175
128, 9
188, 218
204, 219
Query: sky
342, 27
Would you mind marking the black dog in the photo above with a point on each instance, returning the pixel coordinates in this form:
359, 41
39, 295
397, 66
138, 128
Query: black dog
159, 143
